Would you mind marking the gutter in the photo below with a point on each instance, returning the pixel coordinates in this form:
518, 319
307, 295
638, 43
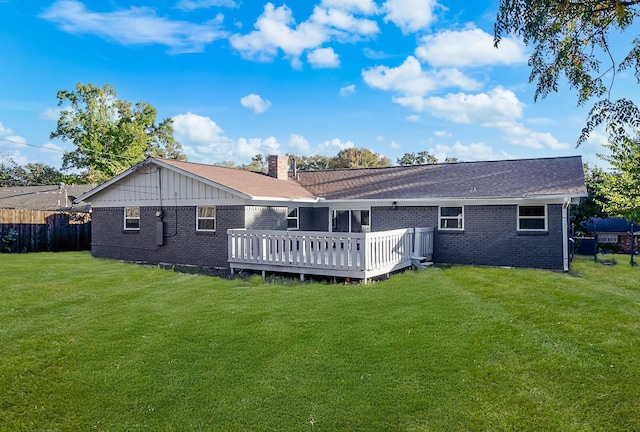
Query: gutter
565, 233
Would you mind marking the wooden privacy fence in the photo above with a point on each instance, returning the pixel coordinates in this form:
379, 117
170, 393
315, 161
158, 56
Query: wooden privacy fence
41, 231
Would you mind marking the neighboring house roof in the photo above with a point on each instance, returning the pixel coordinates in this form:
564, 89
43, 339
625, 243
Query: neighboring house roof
51, 197
507, 178
609, 225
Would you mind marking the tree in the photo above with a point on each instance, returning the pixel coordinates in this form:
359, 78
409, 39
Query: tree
110, 134
423, 157
258, 164
358, 158
622, 187
572, 38
12, 174
8, 171
309, 163
592, 205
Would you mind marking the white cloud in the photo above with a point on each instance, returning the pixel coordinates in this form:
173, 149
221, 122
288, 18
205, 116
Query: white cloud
519, 135
276, 30
342, 24
255, 103
52, 148
4, 131
497, 105
442, 134
596, 139
410, 15
394, 145
50, 114
347, 90
409, 79
473, 151
273, 32
413, 118
299, 144
331, 147
375, 55
134, 26
470, 47
323, 58
201, 136
190, 5
16, 141
366, 7
197, 129
246, 148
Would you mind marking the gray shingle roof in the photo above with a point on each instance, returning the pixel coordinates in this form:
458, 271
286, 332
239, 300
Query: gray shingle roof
246, 182
50, 197
507, 178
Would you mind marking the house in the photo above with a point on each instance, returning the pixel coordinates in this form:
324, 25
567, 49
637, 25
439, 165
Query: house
58, 197
613, 235
44, 218
352, 222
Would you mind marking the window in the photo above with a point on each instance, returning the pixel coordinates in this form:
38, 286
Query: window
355, 221
206, 218
132, 218
608, 238
532, 218
451, 218
292, 218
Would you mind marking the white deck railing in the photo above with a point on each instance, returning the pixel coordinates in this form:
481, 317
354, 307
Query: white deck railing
368, 253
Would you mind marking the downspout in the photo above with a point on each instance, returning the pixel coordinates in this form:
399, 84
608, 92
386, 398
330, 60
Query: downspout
565, 233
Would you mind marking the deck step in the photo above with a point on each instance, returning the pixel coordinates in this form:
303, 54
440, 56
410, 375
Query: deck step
421, 262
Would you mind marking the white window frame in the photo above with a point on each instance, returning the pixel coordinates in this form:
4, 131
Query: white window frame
608, 238
520, 218
127, 218
295, 218
199, 218
332, 218
460, 219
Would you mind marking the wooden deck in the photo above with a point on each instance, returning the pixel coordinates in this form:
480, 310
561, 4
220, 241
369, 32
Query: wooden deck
349, 255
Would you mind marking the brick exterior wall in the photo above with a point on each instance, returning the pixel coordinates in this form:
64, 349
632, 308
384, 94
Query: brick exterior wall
489, 238
182, 244
266, 218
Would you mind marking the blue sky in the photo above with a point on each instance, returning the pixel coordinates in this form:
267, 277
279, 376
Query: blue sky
304, 77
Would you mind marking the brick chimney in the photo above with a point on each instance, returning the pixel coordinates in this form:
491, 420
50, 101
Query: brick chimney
278, 166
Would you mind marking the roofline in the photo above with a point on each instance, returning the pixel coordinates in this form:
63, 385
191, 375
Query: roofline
440, 163
385, 202
163, 164
468, 200
104, 185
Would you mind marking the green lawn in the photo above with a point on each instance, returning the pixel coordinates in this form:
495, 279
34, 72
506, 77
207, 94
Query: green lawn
89, 344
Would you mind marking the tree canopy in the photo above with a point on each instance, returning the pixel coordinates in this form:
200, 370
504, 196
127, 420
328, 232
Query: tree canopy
110, 134
358, 158
423, 157
31, 174
622, 187
572, 38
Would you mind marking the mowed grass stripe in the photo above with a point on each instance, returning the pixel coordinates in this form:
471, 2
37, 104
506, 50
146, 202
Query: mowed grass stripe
104, 345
